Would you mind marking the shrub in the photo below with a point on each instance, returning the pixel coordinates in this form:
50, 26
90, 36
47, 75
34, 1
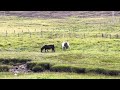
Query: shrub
4, 68
61, 68
100, 71
37, 69
13, 61
105, 72
45, 65
97, 70
113, 72
31, 65
79, 70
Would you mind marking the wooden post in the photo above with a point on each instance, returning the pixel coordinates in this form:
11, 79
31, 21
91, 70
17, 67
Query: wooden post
14, 31
30, 34
102, 35
110, 36
106, 35
57, 35
84, 35
63, 35
18, 34
41, 33
6, 33
117, 35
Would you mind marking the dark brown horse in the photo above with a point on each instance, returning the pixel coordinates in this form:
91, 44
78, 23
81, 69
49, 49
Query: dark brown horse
47, 47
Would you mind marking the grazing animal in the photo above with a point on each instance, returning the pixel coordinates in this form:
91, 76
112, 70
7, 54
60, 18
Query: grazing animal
65, 45
47, 47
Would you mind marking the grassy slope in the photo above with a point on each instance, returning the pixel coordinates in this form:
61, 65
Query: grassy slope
89, 52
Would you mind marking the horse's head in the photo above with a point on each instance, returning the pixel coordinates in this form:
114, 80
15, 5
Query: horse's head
65, 45
42, 48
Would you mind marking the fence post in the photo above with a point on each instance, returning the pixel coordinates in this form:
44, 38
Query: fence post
110, 36
117, 35
6, 33
63, 35
106, 35
18, 34
96, 35
30, 34
56, 35
14, 31
69, 34
84, 35
41, 33
102, 35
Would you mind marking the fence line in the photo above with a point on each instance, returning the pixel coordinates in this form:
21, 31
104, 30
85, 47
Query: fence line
43, 34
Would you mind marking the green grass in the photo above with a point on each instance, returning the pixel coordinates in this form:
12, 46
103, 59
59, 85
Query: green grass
22, 38
57, 75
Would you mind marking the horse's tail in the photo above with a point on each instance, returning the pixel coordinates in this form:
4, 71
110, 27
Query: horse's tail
53, 48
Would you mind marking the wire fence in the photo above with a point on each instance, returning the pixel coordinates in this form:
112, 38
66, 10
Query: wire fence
59, 34
87, 29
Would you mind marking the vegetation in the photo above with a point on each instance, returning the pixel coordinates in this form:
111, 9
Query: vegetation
57, 75
94, 42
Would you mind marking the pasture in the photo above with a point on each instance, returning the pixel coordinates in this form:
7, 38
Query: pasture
95, 46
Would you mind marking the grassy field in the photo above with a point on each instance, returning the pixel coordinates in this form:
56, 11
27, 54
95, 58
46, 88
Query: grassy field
92, 48
52, 75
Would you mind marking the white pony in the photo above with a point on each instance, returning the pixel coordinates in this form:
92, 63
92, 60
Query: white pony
65, 45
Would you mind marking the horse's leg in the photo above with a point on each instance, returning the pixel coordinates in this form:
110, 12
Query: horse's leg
63, 48
53, 50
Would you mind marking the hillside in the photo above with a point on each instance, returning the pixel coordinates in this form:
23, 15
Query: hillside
58, 14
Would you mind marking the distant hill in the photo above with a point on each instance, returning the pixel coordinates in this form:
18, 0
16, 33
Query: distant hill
59, 14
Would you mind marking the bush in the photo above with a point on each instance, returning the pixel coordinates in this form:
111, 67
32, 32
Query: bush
113, 72
105, 72
4, 68
79, 70
13, 61
97, 70
31, 65
61, 68
37, 69
100, 71
68, 69
45, 65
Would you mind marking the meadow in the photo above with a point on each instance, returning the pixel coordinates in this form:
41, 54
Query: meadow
94, 42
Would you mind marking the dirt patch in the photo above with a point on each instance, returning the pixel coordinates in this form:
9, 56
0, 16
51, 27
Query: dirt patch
19, 69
